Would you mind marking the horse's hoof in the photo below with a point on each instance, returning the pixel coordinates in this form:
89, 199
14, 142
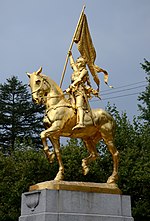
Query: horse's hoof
85, 167
51, 157
59, 176
111, 180
85, 171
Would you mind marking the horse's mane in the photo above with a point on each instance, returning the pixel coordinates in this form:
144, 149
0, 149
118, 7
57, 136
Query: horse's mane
53, 84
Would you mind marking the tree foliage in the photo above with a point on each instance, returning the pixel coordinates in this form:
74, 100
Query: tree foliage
132, 141
18, 172
73, 153
20, 120
144, 97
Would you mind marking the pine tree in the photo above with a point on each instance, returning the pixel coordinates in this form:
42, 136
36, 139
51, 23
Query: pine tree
20, 119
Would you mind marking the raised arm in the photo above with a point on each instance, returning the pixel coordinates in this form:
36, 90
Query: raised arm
72, 62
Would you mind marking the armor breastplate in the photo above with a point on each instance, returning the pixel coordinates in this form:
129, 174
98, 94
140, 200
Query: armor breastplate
76, 74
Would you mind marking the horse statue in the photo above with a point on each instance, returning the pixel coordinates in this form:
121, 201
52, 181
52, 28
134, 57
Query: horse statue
60, 118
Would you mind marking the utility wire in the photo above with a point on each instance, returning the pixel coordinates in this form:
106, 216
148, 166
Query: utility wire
128, 89
109, 98
127, 85
119, 91
124, 95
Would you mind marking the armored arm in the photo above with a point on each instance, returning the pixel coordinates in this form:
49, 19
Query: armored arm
72, 62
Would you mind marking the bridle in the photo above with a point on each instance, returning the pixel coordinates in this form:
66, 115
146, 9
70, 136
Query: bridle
38, 89
41, 83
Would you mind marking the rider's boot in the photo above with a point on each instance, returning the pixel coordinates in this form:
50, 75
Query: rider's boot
80, 119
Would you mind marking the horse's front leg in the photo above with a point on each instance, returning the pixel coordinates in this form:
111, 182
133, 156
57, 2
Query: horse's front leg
50, 155
56, 143
53, 134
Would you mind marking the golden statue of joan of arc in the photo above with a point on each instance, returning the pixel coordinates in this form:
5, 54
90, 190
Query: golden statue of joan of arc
80, 87
75, 119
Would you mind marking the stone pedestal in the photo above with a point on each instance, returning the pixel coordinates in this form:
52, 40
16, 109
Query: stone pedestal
58, 204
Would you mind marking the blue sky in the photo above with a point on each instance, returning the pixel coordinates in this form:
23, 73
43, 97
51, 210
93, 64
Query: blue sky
36, 33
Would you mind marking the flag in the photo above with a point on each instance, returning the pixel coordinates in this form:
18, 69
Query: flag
86, 48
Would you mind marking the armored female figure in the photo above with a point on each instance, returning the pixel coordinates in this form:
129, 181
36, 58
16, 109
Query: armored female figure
80, 88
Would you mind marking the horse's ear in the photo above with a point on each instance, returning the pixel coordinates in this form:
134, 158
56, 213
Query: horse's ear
39, 71
29, 75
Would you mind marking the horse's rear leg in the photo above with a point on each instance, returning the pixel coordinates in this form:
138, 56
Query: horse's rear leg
91, 147
115, 155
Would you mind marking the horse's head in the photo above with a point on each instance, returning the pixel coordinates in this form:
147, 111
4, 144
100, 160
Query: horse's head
39, 86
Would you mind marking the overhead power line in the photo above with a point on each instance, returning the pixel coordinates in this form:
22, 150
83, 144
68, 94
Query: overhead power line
124, 95
123, 86
128, 89
119, 96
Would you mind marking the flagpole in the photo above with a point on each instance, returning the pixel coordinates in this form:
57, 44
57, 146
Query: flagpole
66, 61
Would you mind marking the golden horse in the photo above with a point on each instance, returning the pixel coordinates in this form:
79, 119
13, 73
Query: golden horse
60, 118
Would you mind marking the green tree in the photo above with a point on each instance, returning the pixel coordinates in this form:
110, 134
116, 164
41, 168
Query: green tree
17, 173
132, 141
142, 202
20, 119
73, 153
144, 97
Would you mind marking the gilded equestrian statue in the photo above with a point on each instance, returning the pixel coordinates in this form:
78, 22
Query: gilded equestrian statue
60, 119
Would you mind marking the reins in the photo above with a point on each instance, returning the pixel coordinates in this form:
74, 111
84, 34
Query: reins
54, 96
37, 90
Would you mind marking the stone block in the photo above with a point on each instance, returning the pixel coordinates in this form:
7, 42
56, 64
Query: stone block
68, 205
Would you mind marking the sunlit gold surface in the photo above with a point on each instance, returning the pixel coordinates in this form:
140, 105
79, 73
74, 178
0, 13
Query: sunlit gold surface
80, 90
87, 50
77, 186
60, 119
73, 117
82, 38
